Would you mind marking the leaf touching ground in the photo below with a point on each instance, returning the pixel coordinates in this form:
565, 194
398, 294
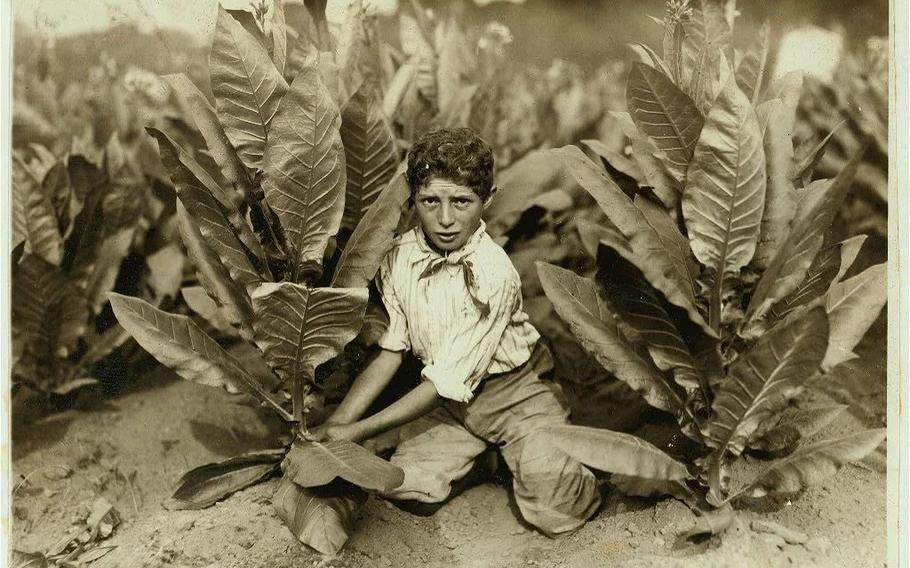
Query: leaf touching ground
615, 452
853, 306
247, 88
725, 192
791, 263
178, 343
649, 254
758, 382
813, 464
202, 486
797, 425
322, 518
714, 522
214, 211
578, 303
219, 146
304, 168
751, 70
312, 464
666, 114
299, 328
372, 238
213, 275
370, 153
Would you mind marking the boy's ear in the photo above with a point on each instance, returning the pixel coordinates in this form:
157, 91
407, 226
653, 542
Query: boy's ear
489, 200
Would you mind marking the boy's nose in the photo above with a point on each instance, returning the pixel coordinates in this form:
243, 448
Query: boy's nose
446, 219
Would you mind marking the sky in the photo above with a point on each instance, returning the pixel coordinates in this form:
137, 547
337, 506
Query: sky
66, 17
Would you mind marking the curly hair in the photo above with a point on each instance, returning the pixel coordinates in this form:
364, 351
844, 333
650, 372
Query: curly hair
456, 154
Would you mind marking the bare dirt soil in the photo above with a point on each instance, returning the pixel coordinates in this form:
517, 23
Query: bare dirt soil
131, 448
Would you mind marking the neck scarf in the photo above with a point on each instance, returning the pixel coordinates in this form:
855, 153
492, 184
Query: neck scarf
461, 258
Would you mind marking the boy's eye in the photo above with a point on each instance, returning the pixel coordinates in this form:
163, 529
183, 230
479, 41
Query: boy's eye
461, 202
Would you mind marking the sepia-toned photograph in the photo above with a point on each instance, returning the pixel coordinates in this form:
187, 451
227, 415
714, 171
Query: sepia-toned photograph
449, 283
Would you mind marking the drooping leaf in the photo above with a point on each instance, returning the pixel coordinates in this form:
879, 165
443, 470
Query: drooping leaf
214, 211
797, 425
760, 380
305, 168
791, 263
676, 245
812, 464
578, 303
853, 306
615, 452
320, 517
648, 253
370, 153
725, 192
213, 275
203, 486
313, 464
666, 114
616, 160
178, 343
279, 35
819, 278
372, 238
217, 142
712, 522
299, 328
750, 72
247, 88
643, 309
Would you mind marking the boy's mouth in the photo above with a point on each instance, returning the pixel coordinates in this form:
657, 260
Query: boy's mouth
447, 237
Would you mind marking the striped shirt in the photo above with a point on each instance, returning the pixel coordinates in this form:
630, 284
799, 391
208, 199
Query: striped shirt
460, 313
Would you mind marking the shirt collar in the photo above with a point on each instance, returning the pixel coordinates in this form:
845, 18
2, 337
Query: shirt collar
427, 252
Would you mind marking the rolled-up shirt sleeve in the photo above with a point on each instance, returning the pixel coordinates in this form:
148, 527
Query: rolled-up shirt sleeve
396, 336
463, 362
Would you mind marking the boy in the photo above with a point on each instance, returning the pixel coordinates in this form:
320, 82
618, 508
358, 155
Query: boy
454, 299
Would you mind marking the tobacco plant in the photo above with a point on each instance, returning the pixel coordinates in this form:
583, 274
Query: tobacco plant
718, 292
285, 234
81, 229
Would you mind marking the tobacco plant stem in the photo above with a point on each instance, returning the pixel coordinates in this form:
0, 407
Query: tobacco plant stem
297, 397
714, 309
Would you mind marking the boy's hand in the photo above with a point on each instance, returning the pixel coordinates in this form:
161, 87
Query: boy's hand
334, 431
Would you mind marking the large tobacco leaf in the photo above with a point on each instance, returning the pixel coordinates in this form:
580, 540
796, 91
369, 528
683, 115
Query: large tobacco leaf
178, 343
665, 114
304, 166
853, 306
676, 245
579, 304
203, 486
44, 237
372, 238
299, 328
780, 202
725, 192
313, 464
642, 308
821, 274
320, 517
812, 464
247, 88
214, 276
214, 210
665, 271
759, 381
217, 142
615, 452
792, 261
706, 43
279, 34
370, 153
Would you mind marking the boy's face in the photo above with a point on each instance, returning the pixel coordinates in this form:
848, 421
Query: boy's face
448, 213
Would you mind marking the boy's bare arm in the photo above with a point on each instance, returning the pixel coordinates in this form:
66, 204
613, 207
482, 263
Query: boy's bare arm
367, 386
419, 401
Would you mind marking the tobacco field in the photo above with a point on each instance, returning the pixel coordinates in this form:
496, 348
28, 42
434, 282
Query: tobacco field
702, 244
